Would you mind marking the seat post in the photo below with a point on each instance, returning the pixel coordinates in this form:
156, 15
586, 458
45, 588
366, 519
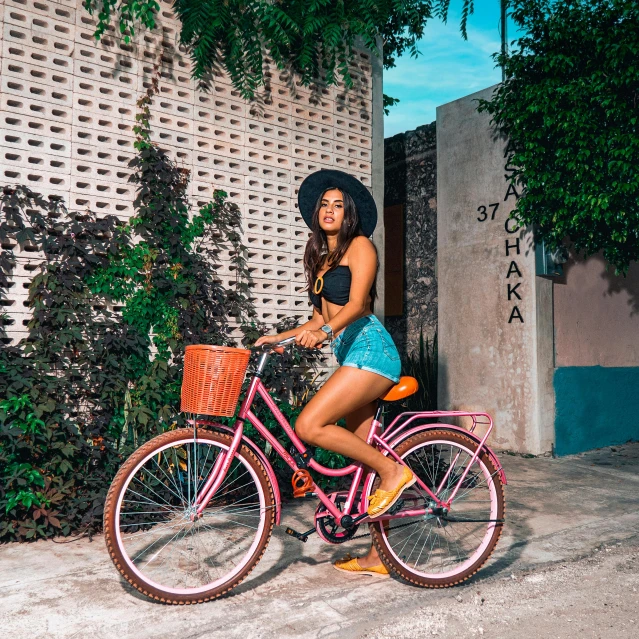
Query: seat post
378, 412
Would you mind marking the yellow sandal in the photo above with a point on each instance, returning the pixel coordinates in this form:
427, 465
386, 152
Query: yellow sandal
352, 566
383, 500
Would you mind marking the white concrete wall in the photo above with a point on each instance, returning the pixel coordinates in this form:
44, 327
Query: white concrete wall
67, 109
495, 316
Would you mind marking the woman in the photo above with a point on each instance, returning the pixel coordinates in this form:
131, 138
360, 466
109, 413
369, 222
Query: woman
341, 267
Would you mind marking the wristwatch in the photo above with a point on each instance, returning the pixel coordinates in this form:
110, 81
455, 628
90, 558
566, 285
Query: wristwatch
328, 330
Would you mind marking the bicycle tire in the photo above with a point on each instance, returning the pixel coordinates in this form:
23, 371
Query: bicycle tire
115, 496
390, 557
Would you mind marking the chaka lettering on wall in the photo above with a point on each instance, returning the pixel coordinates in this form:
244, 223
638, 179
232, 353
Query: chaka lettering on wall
513, 288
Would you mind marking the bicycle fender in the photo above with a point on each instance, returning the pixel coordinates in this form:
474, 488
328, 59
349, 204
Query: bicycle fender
263, 459
424, 427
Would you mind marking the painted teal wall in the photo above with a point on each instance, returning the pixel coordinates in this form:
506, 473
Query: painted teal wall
595, 406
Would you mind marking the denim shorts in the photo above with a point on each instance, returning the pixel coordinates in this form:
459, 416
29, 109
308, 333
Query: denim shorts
366, 344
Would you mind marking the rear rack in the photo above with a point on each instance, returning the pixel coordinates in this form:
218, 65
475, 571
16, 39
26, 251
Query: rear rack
404, 419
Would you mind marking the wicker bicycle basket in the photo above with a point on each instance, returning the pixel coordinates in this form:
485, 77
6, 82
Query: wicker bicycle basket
213, 377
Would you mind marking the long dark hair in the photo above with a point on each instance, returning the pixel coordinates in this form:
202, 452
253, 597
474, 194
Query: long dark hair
317, 245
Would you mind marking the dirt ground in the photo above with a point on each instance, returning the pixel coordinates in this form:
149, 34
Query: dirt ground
594, 596
567, 566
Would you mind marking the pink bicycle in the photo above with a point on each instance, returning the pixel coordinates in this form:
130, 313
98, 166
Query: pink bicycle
191, 512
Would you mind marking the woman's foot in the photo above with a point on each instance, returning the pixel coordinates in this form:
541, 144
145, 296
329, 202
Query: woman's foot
370, 559
389, 480
383, 500
361, 566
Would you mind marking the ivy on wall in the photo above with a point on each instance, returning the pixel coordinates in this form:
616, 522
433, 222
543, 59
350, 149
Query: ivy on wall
89, 384
569, 108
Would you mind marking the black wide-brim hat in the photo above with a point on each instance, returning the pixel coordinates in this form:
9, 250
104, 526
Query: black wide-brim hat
316, 183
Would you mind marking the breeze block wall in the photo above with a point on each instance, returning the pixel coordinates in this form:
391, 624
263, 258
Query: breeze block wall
67, 111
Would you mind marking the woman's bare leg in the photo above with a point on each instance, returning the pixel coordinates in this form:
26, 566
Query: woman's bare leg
344, 392
359, 422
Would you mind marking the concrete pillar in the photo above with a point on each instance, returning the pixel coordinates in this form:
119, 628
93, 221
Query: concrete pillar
495, 315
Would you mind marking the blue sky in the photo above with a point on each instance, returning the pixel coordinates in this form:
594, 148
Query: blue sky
448, 68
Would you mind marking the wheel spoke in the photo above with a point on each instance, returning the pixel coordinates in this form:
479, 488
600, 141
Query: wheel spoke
431, 546
161, 537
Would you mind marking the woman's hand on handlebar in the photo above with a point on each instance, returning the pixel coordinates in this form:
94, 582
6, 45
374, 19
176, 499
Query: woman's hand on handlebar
306, 338
268, 339
311, 339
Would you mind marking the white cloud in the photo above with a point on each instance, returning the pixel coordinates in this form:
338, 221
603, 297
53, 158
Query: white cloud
449, 68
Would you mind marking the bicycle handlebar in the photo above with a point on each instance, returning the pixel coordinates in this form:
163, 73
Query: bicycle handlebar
288, 340
270, 347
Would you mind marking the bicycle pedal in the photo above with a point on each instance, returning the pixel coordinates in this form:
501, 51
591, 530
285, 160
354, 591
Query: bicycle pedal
303, 537
399, 504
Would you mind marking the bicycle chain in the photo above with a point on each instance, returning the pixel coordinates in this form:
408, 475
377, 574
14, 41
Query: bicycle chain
410, 523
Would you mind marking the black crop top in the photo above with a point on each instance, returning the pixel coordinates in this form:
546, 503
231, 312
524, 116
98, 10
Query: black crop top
336, 287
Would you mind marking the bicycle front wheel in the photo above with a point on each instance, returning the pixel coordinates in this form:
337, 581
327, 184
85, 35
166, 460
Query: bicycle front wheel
152, 536
436, 551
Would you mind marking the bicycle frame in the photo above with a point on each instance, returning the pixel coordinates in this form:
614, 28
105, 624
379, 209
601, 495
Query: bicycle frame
384, 442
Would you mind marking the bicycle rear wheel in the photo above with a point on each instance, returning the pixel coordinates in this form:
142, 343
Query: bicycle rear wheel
439, 551
148, 525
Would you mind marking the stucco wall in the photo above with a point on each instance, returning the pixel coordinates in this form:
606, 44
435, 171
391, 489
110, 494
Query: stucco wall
596, 382
596, 315
596, 406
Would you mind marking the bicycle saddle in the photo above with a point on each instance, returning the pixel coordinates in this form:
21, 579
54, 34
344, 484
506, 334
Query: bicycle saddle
405, 387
